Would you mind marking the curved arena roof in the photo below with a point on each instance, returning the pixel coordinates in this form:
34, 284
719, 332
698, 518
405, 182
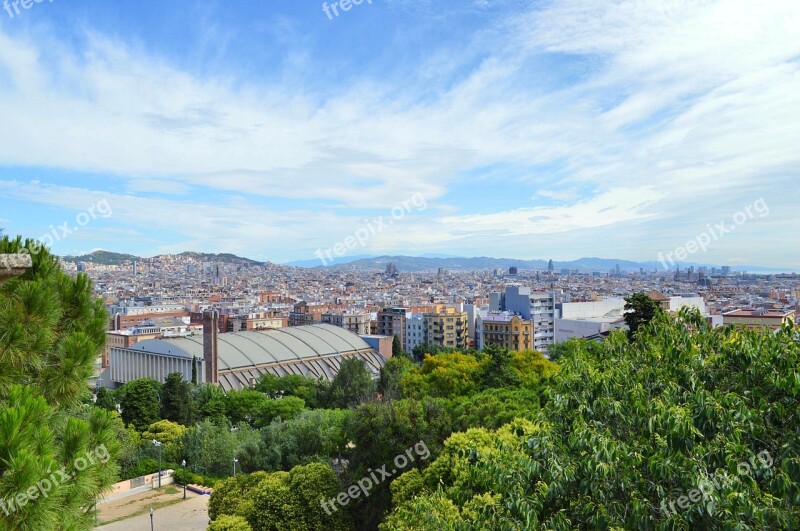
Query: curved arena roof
313, 350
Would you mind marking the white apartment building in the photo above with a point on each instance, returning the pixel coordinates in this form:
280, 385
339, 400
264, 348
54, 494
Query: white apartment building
537, 307
415, 331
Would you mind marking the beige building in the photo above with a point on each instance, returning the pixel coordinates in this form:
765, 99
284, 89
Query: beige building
447, 328
505, 329
358, 323
772, 319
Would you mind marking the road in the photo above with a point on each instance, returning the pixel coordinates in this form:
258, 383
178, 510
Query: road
189, 515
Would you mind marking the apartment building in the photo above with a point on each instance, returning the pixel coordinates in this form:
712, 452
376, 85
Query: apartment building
392, 322
504, 329
447, 328
358, 323
535, 306
416, 331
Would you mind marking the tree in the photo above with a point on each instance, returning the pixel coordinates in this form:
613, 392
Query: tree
444, 375
194, 370
688, 427
176, 401
106, 400
230, 523
352, 385
140, 403
312, 391
397, 348
500, 372
51, 330
281, 500
640, 310
392, 374
311, 436
243, 406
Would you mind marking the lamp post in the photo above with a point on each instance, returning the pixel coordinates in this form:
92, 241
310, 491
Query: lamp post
183, 464
234, 466
158, 445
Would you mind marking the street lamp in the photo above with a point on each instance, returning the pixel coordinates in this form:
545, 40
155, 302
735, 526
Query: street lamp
183, 464
234, 466
158, 445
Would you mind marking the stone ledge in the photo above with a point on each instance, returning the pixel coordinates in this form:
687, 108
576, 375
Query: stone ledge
13, 265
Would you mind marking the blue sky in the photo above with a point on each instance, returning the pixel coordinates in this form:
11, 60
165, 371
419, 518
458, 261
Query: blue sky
532, 129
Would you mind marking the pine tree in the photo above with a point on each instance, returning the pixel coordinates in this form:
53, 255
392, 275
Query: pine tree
51, 331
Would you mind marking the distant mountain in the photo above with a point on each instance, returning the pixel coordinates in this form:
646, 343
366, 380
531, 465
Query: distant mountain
102, 257
316, 262
110, 258
225, 258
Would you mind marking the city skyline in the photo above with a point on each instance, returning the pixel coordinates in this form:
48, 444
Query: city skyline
529, 130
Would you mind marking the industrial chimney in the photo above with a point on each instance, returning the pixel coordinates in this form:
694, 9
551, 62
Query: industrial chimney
210, 346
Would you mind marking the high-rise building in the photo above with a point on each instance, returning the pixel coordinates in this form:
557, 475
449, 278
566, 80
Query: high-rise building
550, 266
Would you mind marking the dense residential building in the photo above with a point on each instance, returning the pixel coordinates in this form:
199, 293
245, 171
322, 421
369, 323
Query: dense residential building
303, 315
392, 322
535, 306
504, 329
447, 328
416, 331
358, 323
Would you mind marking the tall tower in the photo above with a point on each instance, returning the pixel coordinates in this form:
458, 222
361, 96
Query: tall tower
550, 265
211, 346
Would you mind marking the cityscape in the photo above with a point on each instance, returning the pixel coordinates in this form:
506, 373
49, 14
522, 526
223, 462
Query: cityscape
391, 265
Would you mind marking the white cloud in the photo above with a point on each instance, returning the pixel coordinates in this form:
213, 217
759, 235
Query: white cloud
676, 111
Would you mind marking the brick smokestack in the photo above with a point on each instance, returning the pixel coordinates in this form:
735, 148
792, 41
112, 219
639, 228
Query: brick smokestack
210, 345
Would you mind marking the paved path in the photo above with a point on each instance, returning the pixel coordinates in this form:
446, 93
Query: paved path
189, 515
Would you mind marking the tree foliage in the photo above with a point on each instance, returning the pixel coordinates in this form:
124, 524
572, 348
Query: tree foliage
280, 501
51, 330
640, 310
352, 385
140, 403
176, 401
625, 432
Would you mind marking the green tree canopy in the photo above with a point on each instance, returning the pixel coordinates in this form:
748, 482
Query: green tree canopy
626, 432
52, 329
140, 403
176, 400
352, 385
640, 310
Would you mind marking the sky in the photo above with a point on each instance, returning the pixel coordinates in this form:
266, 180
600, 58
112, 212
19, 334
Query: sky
280, 131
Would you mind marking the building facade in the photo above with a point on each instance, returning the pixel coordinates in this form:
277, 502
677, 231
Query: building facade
392, 322
537, 307
358, 323
447, 328
506, 330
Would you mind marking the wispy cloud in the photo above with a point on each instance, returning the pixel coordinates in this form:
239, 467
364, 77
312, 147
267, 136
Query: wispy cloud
657, 115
